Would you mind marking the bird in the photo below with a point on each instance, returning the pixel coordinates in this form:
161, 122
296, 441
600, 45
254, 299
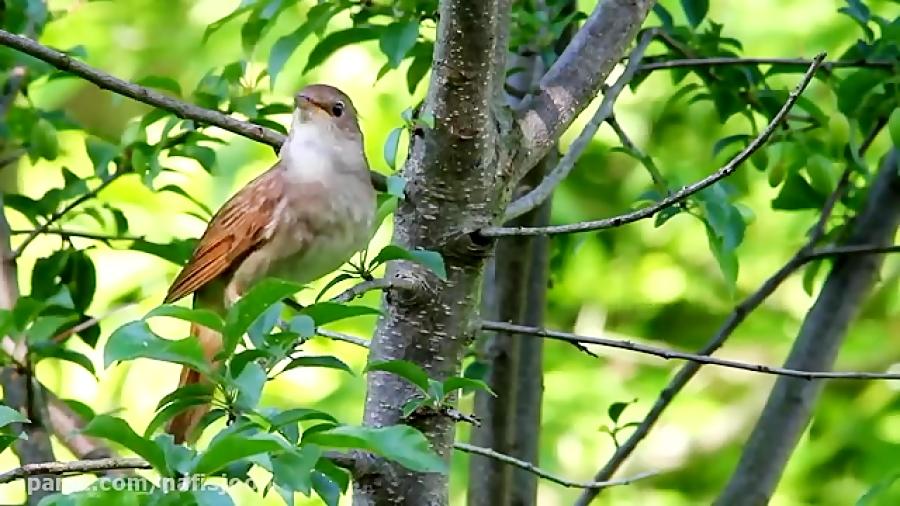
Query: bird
299, 220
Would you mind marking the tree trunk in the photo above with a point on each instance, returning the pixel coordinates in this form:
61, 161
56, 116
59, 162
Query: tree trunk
790, 404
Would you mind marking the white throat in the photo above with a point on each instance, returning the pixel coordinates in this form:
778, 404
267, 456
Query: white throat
309, 151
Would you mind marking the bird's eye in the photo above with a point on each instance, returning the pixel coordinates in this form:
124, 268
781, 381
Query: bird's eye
337, 110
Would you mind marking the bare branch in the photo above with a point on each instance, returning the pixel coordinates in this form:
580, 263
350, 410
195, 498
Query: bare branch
737, 316
543, 190
680, 355
575, 78
62, 212
78, 233
528, 466
798, 62
150, 96
105, 81
340, 336
73, 467
636, 152
681, 194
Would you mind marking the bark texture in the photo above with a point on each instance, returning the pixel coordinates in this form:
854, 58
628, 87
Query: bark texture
459, 178
790, 404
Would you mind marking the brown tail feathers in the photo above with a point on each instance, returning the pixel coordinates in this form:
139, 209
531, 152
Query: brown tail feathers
183, 425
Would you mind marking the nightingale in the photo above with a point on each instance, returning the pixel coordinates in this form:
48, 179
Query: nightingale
298, 221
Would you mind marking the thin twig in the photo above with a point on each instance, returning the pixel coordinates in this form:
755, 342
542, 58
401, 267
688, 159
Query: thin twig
78, 233
647, 161
669, 354
62, 212
339, 336
798, 62
73, 467
361, 288
152, 97
149, 96
11, 157
679, 195
543, 190
528, 466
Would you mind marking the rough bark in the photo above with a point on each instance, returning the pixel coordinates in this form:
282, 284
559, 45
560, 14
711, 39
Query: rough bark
452, 188
20, 391
459, 176
514, 292
789, 406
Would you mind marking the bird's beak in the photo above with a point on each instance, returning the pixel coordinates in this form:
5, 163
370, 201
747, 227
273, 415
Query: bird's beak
307, 104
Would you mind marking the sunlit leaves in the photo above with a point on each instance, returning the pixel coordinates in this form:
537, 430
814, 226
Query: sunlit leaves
399, 443
118, 431
136, 340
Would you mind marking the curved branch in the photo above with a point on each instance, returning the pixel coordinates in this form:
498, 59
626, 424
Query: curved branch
151, 97
531, 468
536, 196
797, 62
576, 77
73, 467
681, 194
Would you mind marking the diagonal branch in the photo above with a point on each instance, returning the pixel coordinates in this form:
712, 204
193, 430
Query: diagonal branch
73, 467
796, 62
681, 194
150, 96
535, 197
576, 77
32, 235
528, 466
737, 316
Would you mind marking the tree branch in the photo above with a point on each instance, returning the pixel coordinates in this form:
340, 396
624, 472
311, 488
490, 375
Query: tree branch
73, 467
797, 62
534, 198
737, 316
151, 97
528, 466
148, 96
681, 194
669, 354
575, 78
62, 212
78, 233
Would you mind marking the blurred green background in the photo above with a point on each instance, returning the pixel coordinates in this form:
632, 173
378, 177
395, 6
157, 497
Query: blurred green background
656, 285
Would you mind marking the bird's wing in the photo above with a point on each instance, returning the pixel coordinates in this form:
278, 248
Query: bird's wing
237, 229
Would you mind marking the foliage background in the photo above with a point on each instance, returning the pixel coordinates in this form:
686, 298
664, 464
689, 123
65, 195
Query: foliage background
657, 285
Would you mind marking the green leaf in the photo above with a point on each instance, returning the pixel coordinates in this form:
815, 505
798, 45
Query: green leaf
136, 340
233, 447
49, 349
325, 361
396, 186
430, 259
162, 83
101, 154
615, 410
284, 47
852, 91
303, 325
250, 383
249, 307
211, 495
797, 194
326, 488
298, 415
467, 385
821, 173
293, 469
8, 415
44, 142
390, 148
400, 443
397, 39
403, 368
878, 490
118, 431
695, 10
324, 313
336, 40
894, 127
203, 317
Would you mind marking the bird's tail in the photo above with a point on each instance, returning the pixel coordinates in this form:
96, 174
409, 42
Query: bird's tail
183, 425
